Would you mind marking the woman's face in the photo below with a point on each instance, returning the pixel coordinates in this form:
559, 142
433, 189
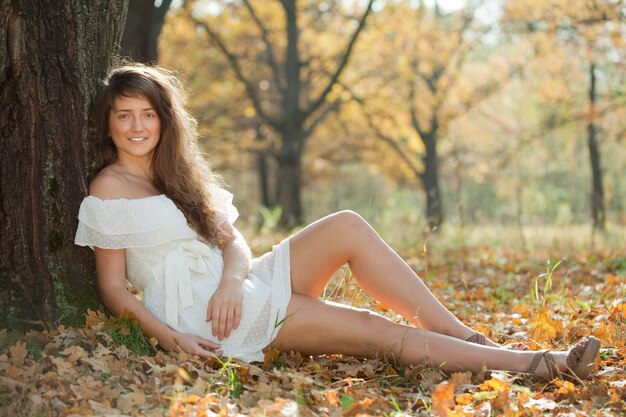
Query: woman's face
135, 127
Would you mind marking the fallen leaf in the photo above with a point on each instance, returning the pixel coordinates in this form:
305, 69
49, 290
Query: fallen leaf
18, 353
127, 402
443, 399
541, 404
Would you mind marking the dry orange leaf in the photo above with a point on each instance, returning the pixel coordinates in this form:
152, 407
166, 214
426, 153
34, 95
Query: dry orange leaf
94, 319
18, 353
127, 402
463, 399
494, 384
443, 399
618, 312
544, 328
190, 399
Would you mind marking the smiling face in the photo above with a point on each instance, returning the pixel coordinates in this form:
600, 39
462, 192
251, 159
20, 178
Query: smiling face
135, 128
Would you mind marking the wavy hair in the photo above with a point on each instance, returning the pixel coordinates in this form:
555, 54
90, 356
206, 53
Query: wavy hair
178, 169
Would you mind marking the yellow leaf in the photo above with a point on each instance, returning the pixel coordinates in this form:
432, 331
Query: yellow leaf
192, 399
443, 399
618, 312
463, 399
543, 328
494, 384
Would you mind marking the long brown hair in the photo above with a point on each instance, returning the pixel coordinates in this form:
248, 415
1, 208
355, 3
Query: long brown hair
178, 169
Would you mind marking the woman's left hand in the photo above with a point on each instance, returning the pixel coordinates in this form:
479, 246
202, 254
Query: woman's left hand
224, 308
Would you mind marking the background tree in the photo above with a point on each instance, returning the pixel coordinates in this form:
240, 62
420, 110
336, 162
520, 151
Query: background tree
51, 59
593, 31
512, 136
144, 22
294, 98
433, 74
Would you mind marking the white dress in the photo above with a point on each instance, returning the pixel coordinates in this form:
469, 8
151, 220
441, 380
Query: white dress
179, 272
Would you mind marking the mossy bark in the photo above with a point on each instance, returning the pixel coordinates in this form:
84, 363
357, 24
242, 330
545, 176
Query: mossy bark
51, 58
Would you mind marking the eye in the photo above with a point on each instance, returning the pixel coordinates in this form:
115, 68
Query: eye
123, 116
151, 115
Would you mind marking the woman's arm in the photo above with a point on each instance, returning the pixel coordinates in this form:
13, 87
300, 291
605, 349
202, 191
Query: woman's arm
111, 273
224, 308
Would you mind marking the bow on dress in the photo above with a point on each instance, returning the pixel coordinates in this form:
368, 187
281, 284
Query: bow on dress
189, 256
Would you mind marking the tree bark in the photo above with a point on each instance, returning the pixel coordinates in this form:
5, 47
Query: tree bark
430, 181
289, 172
597, 187
264, 181
143, 27
51, 58
289, 186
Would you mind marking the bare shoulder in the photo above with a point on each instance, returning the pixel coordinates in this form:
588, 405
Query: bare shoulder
108, 184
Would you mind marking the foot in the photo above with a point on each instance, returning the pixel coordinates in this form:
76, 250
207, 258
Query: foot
480, 339
582, 357
515, 346
578, 361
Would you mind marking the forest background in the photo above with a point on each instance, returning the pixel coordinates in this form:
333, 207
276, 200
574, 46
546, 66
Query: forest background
469, 120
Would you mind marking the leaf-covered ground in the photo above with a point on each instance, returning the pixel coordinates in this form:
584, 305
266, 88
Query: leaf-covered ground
104, 368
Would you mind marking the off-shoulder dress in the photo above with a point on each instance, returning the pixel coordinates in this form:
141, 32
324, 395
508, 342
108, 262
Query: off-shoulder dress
179, 272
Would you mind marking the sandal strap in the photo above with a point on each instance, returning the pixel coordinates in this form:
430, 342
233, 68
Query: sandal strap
553, 371
477, 338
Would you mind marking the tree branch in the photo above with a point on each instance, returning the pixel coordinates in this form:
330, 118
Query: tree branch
392, 142
322, 97
334, 106
268, 45
236, 67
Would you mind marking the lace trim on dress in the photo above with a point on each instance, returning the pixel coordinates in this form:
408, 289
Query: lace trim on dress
126, 223
142, 222
86, 236
223, 202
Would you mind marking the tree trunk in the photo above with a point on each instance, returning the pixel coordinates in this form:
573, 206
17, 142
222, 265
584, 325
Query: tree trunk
143, 27
289, 186
51, 58
289, 158
597, 190
264, 179
430, 182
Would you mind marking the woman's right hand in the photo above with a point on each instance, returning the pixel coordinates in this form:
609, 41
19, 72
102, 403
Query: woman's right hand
195, 345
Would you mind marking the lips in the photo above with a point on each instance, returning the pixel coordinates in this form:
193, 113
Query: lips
137, 139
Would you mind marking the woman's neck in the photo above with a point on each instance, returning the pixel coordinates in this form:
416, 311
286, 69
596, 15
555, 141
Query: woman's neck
140, 169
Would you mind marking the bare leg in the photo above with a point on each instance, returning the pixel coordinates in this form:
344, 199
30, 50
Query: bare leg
322, 247
314, 326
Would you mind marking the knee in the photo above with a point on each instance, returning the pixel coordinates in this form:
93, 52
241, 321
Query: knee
350, 222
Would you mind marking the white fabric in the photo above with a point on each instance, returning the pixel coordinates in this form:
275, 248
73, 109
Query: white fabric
179, 272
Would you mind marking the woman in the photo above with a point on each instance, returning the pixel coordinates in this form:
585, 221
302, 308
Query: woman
157, 217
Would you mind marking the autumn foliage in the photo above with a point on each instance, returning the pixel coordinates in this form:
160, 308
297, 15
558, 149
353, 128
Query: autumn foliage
94, 370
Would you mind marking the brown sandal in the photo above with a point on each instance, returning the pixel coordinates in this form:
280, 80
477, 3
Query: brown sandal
480, 339
477, 338
582, 357
553, 371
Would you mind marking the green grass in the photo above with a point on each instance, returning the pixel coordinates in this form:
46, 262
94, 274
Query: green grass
125, 330
233, 382
35, 348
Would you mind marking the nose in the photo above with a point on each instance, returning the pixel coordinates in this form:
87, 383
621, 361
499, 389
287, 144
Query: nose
137, 125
